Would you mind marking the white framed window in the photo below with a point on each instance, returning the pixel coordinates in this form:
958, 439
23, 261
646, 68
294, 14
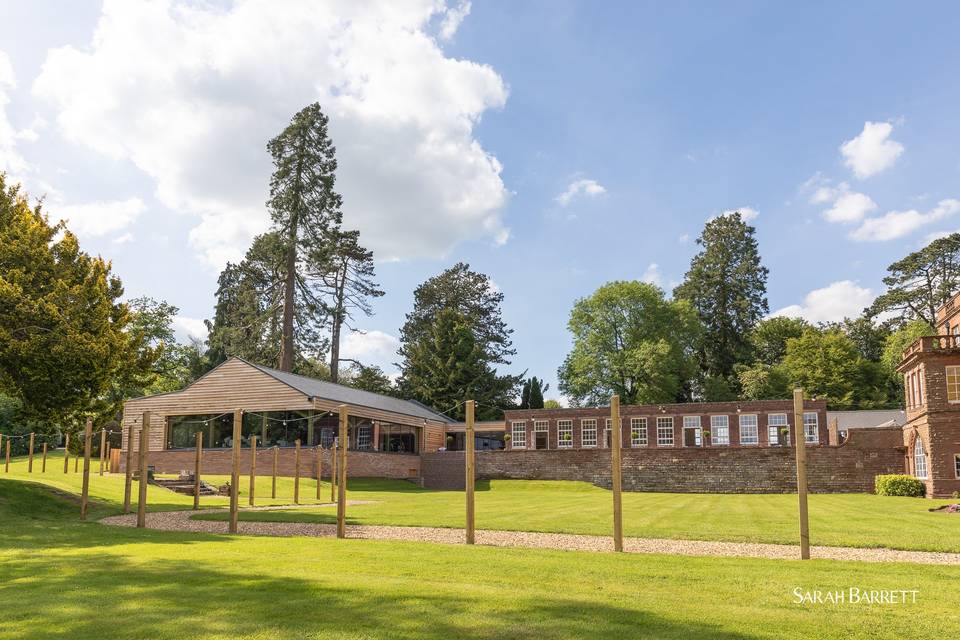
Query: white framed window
364, 436
919, 459
953, 384
956, 465
588, 433
541, 426
811, 431
692, 423
638, 432
564, 434
720, 430
776, 422
518, 436
748, 429
664, 431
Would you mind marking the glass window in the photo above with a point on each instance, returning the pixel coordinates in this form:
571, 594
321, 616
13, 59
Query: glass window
564, 434
776, 423
541, 426
588, 433
748, 429
664, 431
953, 384
810, 431
638, 432
364, 436
956, 465
396, 438
720, 430
519, 435
919, 459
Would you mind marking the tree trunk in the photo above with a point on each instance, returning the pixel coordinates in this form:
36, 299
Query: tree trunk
289, 290
337, 324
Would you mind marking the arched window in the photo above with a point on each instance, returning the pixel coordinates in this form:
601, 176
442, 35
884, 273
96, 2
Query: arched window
919, 459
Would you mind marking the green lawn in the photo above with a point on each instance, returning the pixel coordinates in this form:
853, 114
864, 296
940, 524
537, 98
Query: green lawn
60, 578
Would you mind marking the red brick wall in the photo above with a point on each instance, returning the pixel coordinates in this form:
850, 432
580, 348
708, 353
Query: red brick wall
360, 464
850, 467
937, 422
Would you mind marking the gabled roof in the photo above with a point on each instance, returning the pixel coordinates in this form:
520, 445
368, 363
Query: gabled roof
348, 395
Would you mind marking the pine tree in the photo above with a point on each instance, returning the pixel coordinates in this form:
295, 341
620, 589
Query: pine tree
537, 389
525, 395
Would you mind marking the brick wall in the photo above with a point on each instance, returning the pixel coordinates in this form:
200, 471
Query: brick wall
360, 464
850, 467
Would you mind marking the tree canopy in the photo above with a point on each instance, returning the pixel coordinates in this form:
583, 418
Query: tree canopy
920, 283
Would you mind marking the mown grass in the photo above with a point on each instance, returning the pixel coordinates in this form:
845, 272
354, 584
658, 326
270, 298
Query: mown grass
60, 578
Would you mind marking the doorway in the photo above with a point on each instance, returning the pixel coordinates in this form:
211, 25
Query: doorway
691, 437
541, 432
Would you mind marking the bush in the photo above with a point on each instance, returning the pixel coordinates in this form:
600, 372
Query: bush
899, 485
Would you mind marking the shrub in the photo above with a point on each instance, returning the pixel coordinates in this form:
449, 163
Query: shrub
899, 485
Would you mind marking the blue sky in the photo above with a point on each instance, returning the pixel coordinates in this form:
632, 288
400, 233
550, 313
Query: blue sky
460, 129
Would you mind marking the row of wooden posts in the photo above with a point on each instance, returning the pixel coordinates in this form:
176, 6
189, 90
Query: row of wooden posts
338, 475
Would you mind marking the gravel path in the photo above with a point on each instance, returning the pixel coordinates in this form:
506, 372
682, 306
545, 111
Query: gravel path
180, 521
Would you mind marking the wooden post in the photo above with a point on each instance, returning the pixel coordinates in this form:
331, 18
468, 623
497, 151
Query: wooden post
144, 453
253, 469
76, 461
801, 448
470, 480
342, 476
333, 471
616, 472
43, 466
30, 456
235, 475
109, 457
128, 472
66, 452
276, 461
196, 470
85, 487
103, 448
319, 470
296, 471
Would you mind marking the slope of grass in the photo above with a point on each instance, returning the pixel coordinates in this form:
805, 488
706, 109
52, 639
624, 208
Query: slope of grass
60, 578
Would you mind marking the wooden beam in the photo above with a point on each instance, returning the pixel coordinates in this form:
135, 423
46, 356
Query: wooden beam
333, 471
128, 472
85, 487
43, 466
103, 448
342, 475
30, 456
319, 470
66, 452
276, 461
235, 473
616, 472
296, 471
197, 463
801, 449
253, 469
470, 479
144, 459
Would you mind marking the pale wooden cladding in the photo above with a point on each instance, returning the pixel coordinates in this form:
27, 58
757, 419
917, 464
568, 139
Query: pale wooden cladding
237, 385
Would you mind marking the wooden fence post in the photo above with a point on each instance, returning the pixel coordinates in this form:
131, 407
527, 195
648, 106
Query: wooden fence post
128, 472
296, 471
76, 459
196, 470
470, 480
103, 448
30, 457
85, 487
253, 469
144, 479
235, 475
66, 452
319, 470
801, 448
276, 461
43, 465
333, 471
342, 475
616, 472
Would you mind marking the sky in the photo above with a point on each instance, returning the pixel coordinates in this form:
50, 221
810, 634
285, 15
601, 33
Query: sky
553, 145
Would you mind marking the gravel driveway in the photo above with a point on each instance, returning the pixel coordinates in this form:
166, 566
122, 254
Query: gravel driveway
180, 521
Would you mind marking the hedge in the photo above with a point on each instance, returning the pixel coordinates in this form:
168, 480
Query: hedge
899, 485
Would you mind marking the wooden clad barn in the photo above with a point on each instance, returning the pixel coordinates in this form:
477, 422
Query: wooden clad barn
279, 409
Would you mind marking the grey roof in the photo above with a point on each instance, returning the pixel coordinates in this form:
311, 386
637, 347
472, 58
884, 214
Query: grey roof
867, 418
348, 395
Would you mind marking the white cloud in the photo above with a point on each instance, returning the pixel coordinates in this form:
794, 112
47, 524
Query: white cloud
850, 207
10, 159
872, 151
370, 347
453, 16
653, 275
836, 301
185, 328
684, 238
897, 224
100, 218
580, 188
191, 93
123, 239
748, 214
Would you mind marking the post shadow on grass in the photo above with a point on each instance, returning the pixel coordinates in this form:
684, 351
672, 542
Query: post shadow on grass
181, 599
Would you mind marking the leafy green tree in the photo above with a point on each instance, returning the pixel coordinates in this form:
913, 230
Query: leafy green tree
368, 378
531, 397
869, 336
899, 340
448, 365
726, 285
525, 395
305, 209
762, 381
629, 340
769, 338
552, 404
920, 283
63, 327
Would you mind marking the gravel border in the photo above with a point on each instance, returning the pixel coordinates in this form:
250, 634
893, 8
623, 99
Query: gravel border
180, 521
